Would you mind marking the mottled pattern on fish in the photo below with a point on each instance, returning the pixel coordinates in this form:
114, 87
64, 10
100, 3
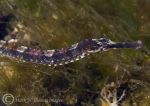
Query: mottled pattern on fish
61, 56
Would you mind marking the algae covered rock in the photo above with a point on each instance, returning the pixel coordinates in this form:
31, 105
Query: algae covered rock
54, 24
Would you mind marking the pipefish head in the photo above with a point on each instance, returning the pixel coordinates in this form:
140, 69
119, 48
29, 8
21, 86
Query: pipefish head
108, 44
104, 44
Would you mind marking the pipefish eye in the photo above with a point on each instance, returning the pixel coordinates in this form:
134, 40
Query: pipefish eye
104, 40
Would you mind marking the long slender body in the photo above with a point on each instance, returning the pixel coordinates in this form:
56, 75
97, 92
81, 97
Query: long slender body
64, 55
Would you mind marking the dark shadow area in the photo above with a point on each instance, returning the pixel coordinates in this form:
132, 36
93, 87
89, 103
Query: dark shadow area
5, 25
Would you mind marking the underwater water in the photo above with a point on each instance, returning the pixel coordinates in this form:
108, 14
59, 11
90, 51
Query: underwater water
54, 24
